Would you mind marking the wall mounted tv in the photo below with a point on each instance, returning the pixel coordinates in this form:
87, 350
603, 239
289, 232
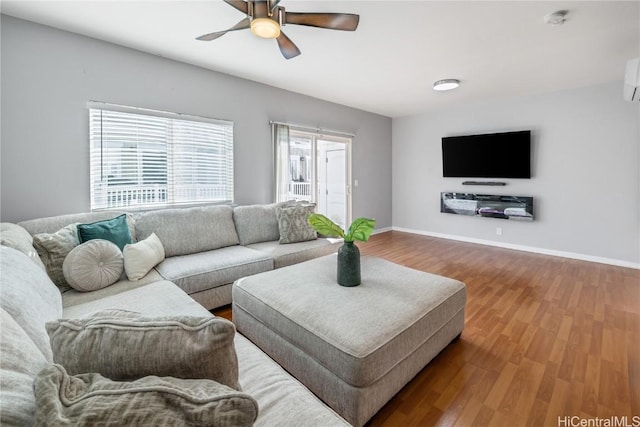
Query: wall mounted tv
494, 155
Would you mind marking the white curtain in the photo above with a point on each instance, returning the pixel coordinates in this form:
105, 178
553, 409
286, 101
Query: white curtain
280, 137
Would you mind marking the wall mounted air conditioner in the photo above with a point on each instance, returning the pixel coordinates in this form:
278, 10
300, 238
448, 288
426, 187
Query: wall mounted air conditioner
632, 81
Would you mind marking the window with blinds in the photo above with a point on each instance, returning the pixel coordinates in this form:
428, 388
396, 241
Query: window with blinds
144, 158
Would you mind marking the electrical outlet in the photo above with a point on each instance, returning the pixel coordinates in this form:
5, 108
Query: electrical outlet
499, 231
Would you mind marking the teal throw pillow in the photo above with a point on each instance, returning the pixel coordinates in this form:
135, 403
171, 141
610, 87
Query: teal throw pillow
115, 230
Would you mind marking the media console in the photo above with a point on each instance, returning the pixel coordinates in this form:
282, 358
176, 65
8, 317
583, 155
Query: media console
519, 208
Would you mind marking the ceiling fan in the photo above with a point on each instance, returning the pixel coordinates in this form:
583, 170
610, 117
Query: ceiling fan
265, 19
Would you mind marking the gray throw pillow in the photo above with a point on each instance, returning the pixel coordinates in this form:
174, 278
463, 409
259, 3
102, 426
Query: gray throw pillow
293, 223
92, 399
124, 345
53, 249
93, 265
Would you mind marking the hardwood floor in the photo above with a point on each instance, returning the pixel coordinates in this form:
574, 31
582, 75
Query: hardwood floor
544, 338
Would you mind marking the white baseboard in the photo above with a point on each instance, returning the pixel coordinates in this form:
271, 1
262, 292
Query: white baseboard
563, 254
382, 230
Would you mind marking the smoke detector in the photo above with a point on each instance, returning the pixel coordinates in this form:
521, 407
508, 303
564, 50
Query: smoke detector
556, 18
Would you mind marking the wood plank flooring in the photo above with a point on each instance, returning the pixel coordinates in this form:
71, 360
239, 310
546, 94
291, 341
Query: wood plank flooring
545, 337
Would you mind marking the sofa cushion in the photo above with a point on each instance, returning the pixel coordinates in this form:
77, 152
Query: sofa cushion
93, 265
141, 257
53, 248
206, 270
115, 230
29, 296
188, 231
20, 362
125, 345
159, 298
16, 237
91, 399
284, 255
293, 223
256, 223
283, 400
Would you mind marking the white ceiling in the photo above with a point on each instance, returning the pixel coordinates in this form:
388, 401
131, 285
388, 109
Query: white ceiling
388, 65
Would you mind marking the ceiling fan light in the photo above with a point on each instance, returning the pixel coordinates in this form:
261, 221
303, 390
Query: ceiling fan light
265, 27
446, 84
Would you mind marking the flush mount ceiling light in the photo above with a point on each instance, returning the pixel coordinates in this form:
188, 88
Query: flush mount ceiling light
446, 84
556, 18
266, 28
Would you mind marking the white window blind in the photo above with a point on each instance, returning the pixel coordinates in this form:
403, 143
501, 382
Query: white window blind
142, 158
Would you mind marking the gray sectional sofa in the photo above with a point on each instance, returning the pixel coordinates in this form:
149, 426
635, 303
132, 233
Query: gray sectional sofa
201, 271
207, 248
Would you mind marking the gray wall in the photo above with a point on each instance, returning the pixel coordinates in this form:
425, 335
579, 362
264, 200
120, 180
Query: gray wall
49, 75
585, 184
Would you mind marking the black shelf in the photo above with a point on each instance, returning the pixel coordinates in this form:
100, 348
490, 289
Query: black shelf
519, 208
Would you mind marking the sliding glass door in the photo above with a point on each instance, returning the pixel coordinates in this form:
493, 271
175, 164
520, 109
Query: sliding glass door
332, 183
315, 168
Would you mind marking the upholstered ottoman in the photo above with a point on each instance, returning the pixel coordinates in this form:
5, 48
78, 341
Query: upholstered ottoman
355, 347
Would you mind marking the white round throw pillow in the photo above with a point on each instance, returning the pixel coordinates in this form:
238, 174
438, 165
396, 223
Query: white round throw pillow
93, 265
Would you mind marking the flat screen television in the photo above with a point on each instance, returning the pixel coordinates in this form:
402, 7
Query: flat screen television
494, 155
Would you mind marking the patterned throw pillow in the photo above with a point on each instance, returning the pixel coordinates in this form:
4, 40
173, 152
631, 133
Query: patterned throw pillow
54, 248
93, 265
293, 222
91, 399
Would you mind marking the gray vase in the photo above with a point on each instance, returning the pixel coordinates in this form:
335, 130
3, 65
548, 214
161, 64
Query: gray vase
348, 265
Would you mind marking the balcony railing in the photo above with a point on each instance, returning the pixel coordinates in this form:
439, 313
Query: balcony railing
125, 195
300, 190
204, 192
121, 196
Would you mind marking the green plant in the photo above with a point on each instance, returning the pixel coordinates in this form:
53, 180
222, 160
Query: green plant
360, 228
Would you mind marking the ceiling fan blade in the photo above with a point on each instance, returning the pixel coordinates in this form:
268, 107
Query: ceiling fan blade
273, 4
287, 47
244, 24
334, 21
242, 6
